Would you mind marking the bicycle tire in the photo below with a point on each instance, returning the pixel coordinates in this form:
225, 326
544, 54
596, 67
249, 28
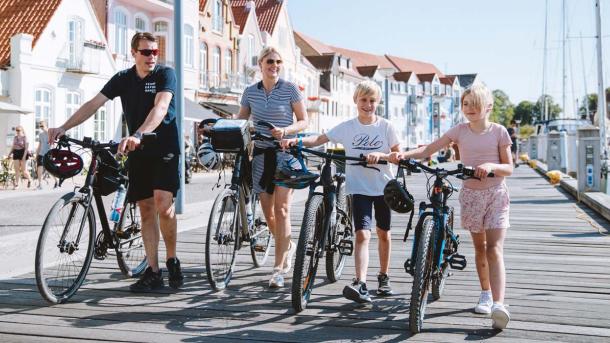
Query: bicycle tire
421, 276
438, 283
130, 252
335, 262
55, 286
306, 262
222, 240
260, 235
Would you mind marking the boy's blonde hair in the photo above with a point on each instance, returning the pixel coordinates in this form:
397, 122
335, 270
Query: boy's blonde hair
267, 51
481, 96
367, 88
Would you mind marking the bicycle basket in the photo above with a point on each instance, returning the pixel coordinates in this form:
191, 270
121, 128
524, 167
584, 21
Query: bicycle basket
108, 176
230, 135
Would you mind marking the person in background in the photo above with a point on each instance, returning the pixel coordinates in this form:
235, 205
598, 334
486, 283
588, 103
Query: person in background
20, 156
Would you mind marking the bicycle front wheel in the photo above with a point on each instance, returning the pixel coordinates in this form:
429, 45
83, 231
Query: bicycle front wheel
438, 283
65, 249
421, 276
306, 261
130, 252
260, 236
343, 231
222, 240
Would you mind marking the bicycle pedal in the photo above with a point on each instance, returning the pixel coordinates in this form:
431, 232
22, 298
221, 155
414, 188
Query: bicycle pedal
346, 247
257, 247
123, 234
409, 267
457, 261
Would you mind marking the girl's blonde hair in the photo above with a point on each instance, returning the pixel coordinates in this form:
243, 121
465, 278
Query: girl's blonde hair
19, 127
267, 51
367, 88
482, 98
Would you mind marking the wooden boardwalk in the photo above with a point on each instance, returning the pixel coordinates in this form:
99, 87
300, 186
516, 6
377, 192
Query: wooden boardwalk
558, 289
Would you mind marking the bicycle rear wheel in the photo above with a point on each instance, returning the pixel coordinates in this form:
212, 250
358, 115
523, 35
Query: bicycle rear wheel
260, 236
421, 276
222, 240
306, 261
130, 252
63, 256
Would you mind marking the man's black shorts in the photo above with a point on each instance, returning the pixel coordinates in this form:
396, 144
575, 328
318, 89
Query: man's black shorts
39, 160
147, 173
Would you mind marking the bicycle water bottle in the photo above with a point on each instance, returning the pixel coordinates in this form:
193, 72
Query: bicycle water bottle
117, 204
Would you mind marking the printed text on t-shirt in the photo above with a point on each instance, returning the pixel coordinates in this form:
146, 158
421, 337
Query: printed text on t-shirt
363, 141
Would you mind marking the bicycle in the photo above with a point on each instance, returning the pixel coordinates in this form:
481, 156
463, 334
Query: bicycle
226, 231
68, 242
435, 246
323, 231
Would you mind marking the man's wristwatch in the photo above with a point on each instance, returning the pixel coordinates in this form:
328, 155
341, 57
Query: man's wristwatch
137, 135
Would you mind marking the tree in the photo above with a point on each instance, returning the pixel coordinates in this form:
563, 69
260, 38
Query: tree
592, 102
525, 112
502, 112
553, 108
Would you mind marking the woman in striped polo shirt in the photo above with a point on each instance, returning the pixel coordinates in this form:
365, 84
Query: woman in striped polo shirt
274, 100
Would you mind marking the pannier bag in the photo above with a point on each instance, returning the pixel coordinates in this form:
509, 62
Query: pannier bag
230, 135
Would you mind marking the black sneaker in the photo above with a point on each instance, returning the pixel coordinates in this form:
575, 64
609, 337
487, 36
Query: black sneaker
175, 278
149, 281
357, 292
384, 288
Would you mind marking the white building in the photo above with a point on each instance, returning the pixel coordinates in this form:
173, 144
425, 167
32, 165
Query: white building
54, 57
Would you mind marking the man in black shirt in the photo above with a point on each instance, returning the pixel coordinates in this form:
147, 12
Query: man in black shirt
147, 96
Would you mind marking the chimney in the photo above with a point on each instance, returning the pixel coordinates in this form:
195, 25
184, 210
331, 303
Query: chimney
250, 5
21, 49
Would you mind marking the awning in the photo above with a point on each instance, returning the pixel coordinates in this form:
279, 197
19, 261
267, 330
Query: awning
7, 107
226, 109
195, 112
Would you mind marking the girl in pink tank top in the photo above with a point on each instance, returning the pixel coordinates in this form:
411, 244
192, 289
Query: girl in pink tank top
484, 204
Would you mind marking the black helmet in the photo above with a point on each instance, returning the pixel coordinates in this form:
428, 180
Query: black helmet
294, 178
397, 197
62, 164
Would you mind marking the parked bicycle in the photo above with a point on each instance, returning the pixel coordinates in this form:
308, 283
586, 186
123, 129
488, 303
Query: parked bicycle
435, 246
68, 240
236, 217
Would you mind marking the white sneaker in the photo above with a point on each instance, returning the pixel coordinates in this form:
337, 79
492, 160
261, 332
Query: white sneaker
288, 263
499, 316
39, 187
485, 303
277, 279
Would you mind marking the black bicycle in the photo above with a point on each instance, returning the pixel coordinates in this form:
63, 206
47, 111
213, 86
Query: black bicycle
68, 241
236, 215
435, 246
326, 228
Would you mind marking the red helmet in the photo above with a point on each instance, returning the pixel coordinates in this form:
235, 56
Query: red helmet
62, 164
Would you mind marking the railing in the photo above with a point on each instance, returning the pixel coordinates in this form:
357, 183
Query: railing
85, 58
222, 83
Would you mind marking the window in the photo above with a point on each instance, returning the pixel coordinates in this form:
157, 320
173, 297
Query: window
228, 61
141, 24
161, 31
72, 104
216, 67
251, 61
75, 41
120, 34
161, 26
99, 125
217, 16
203, 64
189, 33
42, 105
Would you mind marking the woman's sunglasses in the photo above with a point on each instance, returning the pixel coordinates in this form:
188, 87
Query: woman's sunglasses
148, 52
271, 61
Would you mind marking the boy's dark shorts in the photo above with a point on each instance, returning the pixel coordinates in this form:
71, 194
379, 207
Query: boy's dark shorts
363, 212
39, 160
148, 173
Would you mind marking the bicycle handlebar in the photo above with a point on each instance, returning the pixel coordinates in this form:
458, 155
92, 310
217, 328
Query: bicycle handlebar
416, 167
89, 143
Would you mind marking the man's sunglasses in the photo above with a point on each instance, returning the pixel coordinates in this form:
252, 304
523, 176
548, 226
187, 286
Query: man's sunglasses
271, 61
148, 52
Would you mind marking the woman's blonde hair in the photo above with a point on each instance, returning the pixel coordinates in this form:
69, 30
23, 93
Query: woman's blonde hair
267, 51
481, 96
367, 88
19, 127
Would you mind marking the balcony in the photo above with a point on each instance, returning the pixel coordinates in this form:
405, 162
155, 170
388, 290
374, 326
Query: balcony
153, 6
85, 58
222, 83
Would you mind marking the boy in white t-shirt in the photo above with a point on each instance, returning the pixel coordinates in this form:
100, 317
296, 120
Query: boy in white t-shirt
375, 138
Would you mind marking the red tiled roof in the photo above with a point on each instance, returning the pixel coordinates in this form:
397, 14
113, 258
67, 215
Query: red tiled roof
405, 64
426, 77
241, 17
402, 76
447, 80
23, 16
367, 71
321, 62
313, 46
267, 12
363, 59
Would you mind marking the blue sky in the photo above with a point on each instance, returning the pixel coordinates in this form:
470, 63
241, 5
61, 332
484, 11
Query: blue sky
502, 40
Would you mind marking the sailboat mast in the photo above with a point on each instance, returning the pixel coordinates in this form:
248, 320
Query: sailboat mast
584, 76
544, 57
563, 48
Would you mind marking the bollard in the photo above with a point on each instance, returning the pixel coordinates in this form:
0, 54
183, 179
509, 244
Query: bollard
589, 167
533, 147
554, 153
